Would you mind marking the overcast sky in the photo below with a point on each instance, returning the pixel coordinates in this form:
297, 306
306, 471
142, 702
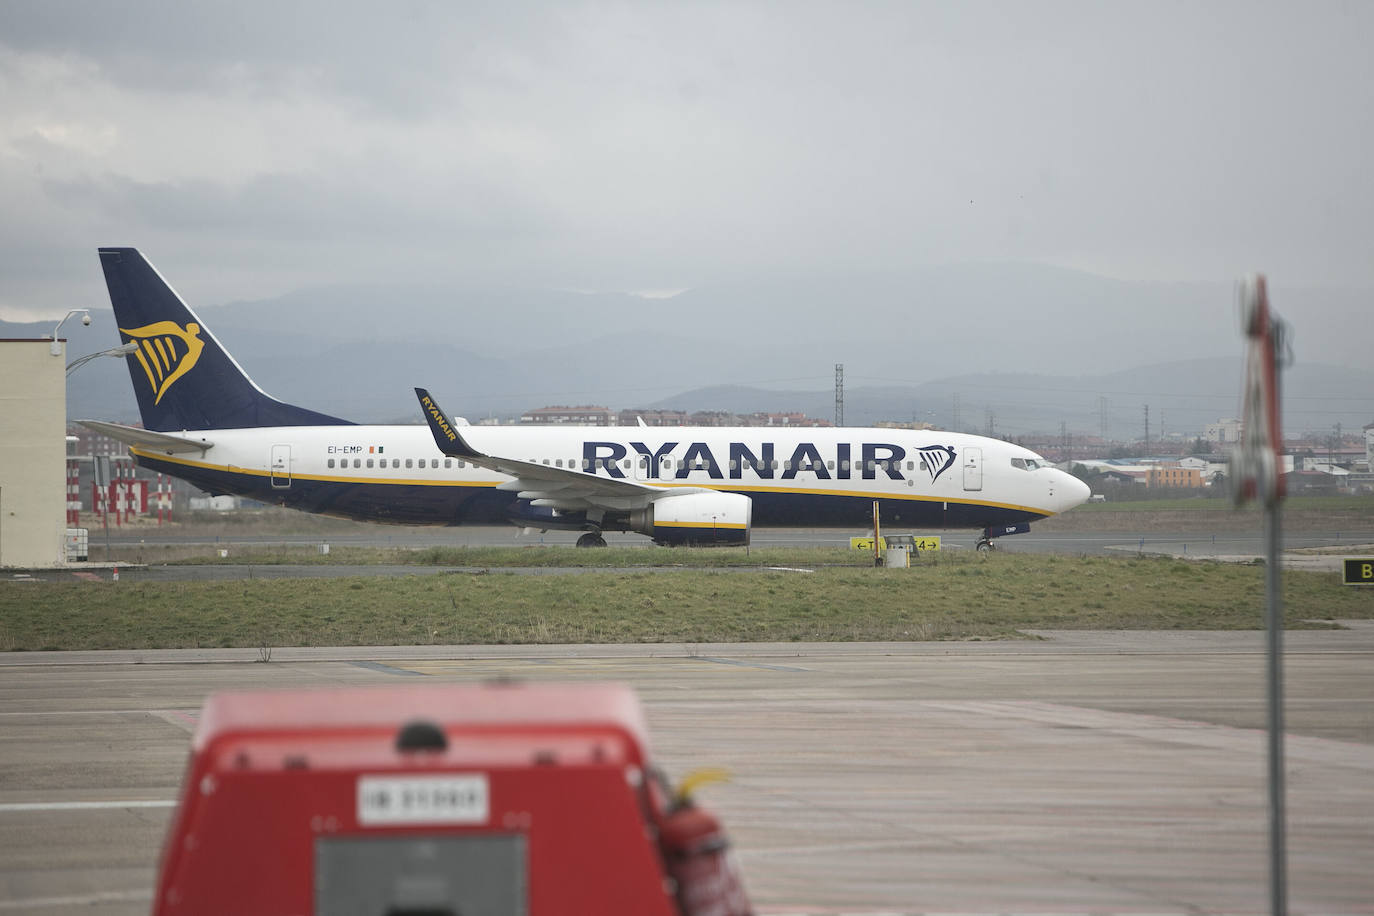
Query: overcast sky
256, 147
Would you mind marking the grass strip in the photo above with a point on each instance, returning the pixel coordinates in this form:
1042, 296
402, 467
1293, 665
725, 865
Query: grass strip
956, 597
544, 557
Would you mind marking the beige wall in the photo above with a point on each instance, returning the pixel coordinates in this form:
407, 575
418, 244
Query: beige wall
33, 484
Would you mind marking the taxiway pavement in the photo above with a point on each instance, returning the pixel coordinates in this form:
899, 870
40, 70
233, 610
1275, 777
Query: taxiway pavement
1081, 772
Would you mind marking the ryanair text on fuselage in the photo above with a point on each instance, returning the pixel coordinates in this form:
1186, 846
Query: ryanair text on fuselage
762, 460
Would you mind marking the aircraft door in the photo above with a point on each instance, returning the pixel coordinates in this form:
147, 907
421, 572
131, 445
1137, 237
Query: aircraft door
281, 467
973, 469
641, 467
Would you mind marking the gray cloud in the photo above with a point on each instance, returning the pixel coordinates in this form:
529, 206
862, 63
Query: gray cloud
263, 146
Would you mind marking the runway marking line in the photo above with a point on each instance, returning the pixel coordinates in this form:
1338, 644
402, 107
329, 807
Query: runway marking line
181, 718
735, 661
1194, 733
388, 669
9, 807
33, 903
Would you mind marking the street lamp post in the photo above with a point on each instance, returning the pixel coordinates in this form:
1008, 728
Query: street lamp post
121, 350
55, 348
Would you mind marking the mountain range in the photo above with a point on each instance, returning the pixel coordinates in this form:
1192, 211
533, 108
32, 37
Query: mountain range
1013, 349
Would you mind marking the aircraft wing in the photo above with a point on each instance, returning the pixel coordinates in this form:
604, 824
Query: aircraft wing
565, 488
146, 438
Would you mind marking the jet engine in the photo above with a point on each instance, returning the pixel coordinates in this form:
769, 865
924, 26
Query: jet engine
700, 519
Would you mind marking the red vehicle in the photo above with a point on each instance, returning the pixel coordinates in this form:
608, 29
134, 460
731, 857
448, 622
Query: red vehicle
494, 799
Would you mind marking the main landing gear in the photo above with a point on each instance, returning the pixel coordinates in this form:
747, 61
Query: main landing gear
591, 539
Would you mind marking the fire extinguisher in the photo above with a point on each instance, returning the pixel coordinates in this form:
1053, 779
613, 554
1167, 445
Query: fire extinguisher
696, 852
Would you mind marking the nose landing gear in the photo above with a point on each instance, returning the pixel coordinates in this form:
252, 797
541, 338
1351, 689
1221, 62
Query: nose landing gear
997, 531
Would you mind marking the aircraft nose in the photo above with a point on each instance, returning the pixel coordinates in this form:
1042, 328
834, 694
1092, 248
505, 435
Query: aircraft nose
1070, 492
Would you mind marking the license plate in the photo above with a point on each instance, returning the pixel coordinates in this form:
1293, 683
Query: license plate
385, 800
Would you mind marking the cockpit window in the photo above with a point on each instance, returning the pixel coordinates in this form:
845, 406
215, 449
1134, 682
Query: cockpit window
1018, 463
1025, 464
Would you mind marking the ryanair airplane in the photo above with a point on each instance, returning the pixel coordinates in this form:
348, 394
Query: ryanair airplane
205, 421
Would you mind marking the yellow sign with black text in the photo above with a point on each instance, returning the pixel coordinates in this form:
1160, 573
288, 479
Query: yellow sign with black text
917, 542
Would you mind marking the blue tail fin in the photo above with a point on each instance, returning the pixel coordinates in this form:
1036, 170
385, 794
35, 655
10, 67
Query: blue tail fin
182, 376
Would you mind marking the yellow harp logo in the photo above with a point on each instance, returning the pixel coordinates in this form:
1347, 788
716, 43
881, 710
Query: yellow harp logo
166, 352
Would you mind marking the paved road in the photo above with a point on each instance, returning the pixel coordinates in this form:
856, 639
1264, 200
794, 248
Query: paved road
1227, 545
1083, 773
1036, 541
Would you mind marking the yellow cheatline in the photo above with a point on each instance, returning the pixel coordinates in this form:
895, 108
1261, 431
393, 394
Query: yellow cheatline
702, 525
858, 494
703, 776
154, 454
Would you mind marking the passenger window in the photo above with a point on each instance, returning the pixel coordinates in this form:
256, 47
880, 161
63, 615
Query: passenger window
357, 462
830, 464
924, 466
369, 462
331, 462
409, 462
448, 462
844, 465
911, 465
732, 464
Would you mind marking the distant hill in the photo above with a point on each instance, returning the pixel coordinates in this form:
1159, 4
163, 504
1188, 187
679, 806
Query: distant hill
1182, 396
1024, 347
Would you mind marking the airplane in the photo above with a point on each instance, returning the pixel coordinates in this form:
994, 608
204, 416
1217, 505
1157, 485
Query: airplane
206, 422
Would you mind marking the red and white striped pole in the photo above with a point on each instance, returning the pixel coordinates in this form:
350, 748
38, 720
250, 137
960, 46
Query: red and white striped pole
115, 504
73, 493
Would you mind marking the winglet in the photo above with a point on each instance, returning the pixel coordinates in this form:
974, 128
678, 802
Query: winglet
446, 434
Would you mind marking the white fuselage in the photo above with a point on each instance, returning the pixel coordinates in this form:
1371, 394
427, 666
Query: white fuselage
829, 475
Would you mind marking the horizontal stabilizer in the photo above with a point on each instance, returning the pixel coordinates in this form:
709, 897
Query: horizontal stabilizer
147, 439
